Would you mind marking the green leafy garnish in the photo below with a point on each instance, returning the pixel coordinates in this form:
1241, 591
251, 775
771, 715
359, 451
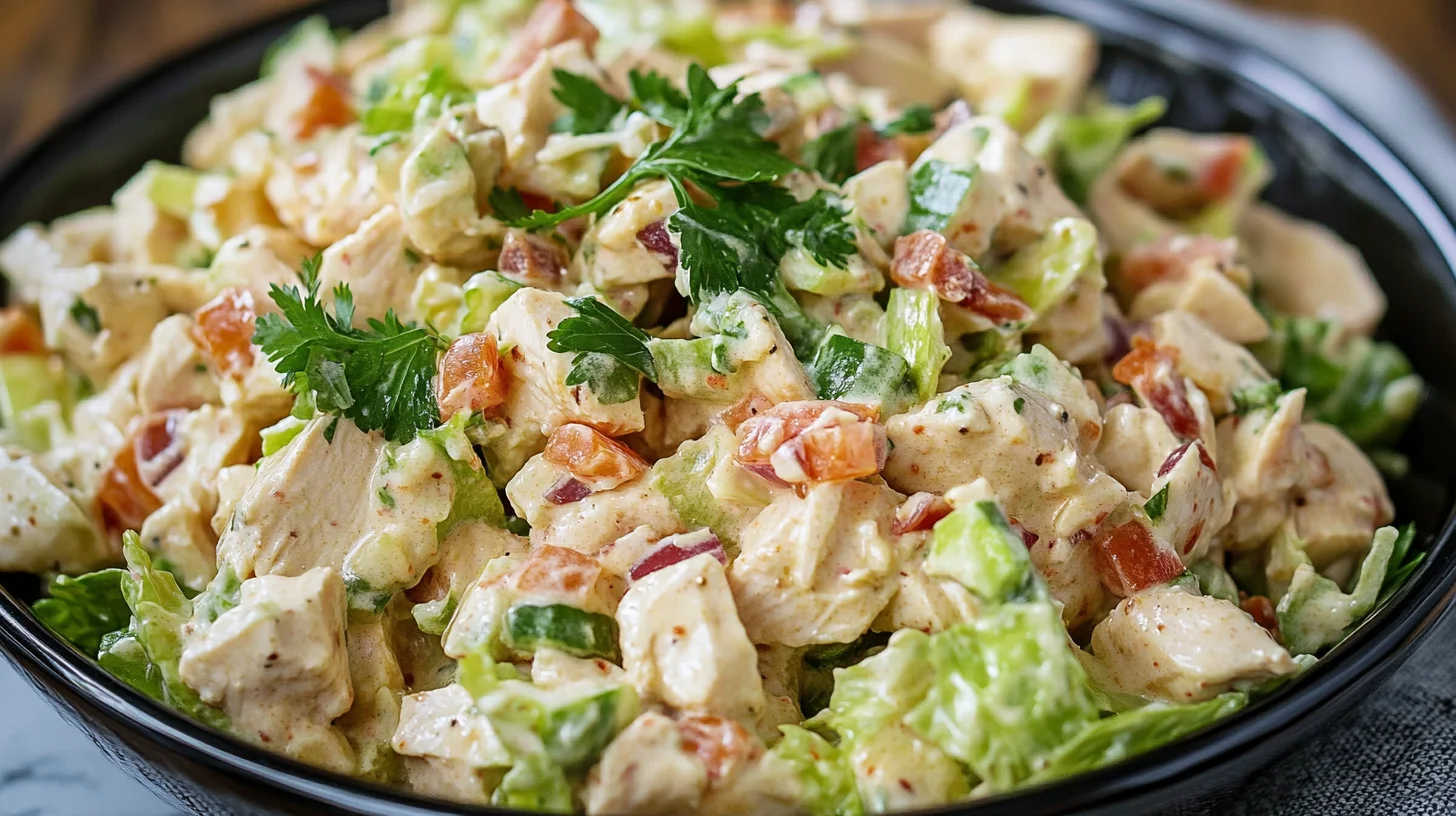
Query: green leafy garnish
1157, 505
610, 351
507, 205
86, 317
85, 609
715, 140
833, 153
1253, 398
381, 377
912, 120
591, 109
936, 192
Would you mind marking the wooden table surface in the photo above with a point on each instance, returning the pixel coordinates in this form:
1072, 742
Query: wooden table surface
54, 54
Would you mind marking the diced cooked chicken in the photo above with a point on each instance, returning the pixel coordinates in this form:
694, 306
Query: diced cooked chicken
341, 498
256, 259
374, 263
142, 231
1020, 441
231, 115
554, 669
323, 192
1019, 68
903, 70
818, 569
1265, 457
440, 184
1209, 296
538, 400
100, 315
174, 373
1075, 329
1336, 521
34, 252
278, 666
1135, 443
1218, 367
646, 770
683, 643
1194, 505
450, 748
879, 199
1014, 197
923, 602
378, 683
631, 243
42, 528
1304, 269
224, 206
589, 522
1169, 644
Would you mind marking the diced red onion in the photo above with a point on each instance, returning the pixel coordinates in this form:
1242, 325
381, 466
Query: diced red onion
676, 549
567, 490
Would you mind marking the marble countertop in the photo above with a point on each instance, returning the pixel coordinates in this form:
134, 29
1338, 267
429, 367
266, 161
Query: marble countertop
48, 768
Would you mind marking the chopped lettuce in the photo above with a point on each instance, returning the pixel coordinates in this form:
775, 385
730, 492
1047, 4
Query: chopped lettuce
827, 784
1112, 739
1364, 387
1087, 143
146, 654
1315, 613
1043, 272
913, 330
86, 608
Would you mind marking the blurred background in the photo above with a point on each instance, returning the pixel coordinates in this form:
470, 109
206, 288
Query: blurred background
55, 54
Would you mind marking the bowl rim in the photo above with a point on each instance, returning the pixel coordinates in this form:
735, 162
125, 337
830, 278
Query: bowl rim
1386, 635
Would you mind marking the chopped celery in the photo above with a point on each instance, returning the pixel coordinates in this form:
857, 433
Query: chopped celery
562, 627
1088, 142
1315, 613
1042, 272
826, 781
913, 330
36, 393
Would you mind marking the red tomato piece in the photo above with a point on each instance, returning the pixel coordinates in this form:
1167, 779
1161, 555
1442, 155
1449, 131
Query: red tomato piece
1130, 559
720, 744
1152, 372
926, 260
471, 378
593, 457
223, 328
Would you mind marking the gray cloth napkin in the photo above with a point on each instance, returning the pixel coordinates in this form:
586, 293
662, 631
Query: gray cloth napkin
1394, 756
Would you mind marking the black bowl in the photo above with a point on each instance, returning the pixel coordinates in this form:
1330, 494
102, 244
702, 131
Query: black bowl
1330, 168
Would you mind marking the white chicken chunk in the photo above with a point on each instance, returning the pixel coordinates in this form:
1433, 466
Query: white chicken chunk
440, 184
230, 116
323, 192
30, 256
1336, 521
142, 231
537, 397
100, 315
174, 373
879, 199
1194, 505
374, 263
646, 770
1019, 68
1304, 269
1265, 457
612, 251
594, 522
923, 602
683, 643
1208, 295
818, 569
1170, 644
1135, 442
42, 528
256, 259
277, 664
225, 206
1218, 367
451, 750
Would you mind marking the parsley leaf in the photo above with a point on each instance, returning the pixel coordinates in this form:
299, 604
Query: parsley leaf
936, 192
1157, 505
610, 351
85, 316
381, 377
507, 205
716, 140
834, 153
1253, 398
912, 120
592, 110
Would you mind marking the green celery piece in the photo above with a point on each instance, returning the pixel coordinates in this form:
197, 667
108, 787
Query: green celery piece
1315, 613
1042, 272
484, 293
976, 547
1112, 739
308, 34
85, 609
575, 734
1087, 143
27, 382
846, 369
1007, 692
170, 187
476, 498
534, 783
827, 784
913, 330
683, 479
571, 630
277, 436
690, 368
1214, 580
159, 610
936, 192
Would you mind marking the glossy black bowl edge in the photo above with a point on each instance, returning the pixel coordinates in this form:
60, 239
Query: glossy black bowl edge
241, 777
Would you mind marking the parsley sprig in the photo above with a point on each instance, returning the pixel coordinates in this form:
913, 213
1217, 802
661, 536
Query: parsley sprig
589, 108
834, 154
381, 377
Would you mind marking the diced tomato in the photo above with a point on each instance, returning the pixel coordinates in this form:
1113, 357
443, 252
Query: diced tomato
745, 409
926, 260
567, 490
529, 258
920, 512
720, 744
223, 328
1170, 258
759, 436
558, 571
1220, 173
593, 457
470, 376
1130, 559
676, 549
1152, 372
831, 451
1261, 609
19, 333
552, 23
870, 148
160, 447
655, 237
327, 105
123, 499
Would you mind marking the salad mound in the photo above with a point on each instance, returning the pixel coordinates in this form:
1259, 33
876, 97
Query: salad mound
676, 407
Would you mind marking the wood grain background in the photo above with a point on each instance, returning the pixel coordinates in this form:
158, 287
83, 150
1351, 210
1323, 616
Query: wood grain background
55, 54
